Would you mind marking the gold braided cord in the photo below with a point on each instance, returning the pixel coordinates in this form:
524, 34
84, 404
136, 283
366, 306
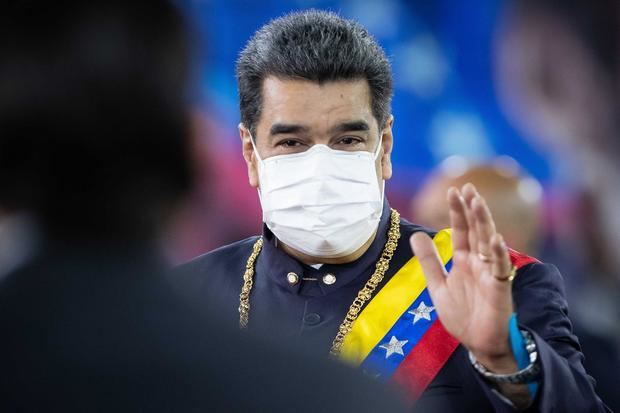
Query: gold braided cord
363, 296
248, 282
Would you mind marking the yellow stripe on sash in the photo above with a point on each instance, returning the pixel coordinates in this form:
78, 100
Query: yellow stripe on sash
390, 303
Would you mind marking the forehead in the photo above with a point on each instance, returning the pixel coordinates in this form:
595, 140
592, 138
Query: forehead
313, 104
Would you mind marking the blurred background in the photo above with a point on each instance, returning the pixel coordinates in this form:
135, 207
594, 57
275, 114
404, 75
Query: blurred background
520, 97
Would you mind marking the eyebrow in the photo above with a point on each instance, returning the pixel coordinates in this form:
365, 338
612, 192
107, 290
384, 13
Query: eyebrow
281, 128
353, 126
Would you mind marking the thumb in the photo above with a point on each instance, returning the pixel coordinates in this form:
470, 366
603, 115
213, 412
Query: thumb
424, 248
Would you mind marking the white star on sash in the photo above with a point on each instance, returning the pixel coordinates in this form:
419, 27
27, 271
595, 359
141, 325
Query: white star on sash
395, 346
422, 312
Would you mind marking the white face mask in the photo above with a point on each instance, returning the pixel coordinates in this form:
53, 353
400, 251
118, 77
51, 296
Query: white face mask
322, 202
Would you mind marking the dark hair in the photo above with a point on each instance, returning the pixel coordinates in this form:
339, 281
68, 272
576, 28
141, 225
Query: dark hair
94, 114
318, 46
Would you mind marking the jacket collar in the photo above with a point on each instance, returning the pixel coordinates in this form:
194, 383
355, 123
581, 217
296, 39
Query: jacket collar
276, 265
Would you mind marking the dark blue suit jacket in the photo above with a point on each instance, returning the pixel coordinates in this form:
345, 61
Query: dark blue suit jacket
311, 311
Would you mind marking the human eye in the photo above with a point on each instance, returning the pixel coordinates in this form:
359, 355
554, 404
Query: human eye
289, 143
349, 142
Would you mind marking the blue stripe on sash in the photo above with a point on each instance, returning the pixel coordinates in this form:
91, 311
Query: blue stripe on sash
376, 363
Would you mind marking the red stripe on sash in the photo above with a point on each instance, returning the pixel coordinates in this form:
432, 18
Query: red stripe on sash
520, 260
423, 363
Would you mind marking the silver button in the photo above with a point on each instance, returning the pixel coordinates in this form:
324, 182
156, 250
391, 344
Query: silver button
312, 319
292, 278
329, 279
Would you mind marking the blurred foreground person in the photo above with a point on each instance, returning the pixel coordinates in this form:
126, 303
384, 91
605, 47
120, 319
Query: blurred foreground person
334, 265
95, 155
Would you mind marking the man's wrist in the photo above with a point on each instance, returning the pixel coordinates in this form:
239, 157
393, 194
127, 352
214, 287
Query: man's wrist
501, 370
503, 364
502, 360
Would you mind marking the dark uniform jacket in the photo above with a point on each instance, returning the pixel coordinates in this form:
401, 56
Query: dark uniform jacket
311, 311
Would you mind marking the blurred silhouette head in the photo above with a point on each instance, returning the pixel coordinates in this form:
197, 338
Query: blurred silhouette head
559, 72
515, 199
94, 137
559, 80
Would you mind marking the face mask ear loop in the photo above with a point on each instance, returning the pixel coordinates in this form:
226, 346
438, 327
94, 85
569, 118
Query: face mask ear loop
255, 150
260, 161
378, 150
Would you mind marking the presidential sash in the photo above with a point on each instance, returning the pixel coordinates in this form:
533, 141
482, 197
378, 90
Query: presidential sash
398, 336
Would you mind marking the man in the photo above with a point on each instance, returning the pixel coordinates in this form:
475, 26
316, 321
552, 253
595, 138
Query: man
334, 265
94, 157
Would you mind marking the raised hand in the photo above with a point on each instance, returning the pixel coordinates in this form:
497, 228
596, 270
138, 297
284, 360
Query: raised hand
473, 301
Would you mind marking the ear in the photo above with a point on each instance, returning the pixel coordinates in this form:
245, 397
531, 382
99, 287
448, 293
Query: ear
248, 154
387, 142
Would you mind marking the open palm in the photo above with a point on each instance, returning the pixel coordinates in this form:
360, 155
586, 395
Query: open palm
473, 300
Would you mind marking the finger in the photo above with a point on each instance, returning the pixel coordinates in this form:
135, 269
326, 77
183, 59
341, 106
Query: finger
469, 193
500, 269
458, 220
424, 248
485, 226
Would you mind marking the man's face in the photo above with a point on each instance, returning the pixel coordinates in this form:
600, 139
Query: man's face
297, 114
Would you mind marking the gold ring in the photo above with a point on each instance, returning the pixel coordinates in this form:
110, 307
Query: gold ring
484, 257
511, 276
